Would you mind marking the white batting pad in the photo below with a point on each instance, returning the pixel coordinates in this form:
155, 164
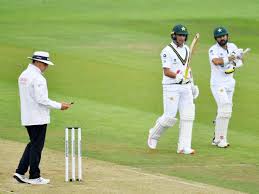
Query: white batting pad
221, 129
185, 134
224, 110
162, 123
188, 113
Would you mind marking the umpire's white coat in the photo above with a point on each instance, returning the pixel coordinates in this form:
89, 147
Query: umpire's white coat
34, 100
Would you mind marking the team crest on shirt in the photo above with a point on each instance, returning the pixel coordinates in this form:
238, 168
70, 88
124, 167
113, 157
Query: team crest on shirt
164, 55
221, 54
171, 98
211, 51
23, 80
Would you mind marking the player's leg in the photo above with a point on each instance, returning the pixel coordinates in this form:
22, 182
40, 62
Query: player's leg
230, 93
187, 114
23, 166
170, 101
37, 139
223, 115
214, 93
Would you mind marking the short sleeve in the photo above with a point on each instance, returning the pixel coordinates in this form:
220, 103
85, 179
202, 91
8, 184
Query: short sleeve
166, 60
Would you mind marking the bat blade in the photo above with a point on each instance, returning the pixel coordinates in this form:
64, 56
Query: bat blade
246, 50
194, 43
192, 48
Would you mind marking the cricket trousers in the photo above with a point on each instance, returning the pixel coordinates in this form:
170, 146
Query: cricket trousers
223, 95
32, 154
176, 97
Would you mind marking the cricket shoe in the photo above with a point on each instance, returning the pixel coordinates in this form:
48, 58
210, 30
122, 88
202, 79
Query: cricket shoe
222, 144
38, 181
151, 142
219, 143
186, 151
20, 178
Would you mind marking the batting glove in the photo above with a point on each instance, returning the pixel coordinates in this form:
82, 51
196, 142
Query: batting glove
195, 91
179, 78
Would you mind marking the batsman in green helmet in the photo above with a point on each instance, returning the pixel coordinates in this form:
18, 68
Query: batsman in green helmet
224, 58
178, 92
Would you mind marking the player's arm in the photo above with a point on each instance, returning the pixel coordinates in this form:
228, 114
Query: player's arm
177, 76
238, 62
169, 73
40, 91
223, 61
167, 64
216, 60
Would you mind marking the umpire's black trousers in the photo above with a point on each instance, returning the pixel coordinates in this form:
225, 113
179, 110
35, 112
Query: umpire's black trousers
32, 153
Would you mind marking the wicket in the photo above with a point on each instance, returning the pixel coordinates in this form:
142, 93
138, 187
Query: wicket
73, 157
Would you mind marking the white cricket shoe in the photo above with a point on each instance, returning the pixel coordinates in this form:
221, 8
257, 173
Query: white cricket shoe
20, 178
222, 144
219, 143
151, 142
186, 151
38, 181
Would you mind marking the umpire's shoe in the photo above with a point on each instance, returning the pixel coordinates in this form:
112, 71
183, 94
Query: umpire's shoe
20, 178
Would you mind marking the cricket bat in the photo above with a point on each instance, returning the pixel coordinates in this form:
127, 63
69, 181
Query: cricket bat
246, 50
192, 48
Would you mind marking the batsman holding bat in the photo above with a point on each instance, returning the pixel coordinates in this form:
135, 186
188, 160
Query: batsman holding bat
178, 92
224, 58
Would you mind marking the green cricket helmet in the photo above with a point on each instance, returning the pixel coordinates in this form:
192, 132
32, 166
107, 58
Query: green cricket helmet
179, 29
220, 31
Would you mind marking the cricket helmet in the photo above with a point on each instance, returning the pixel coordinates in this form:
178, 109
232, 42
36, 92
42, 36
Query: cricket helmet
220, 31
179, 29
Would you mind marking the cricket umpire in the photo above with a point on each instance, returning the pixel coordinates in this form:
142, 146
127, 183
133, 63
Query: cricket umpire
35, 116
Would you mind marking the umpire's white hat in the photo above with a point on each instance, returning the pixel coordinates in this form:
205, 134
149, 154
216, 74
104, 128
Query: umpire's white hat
41, 56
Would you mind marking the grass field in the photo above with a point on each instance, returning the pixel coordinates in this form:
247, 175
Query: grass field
107, 61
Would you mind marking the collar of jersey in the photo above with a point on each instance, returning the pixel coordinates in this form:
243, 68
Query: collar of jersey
175, 45
31, 66
222, 47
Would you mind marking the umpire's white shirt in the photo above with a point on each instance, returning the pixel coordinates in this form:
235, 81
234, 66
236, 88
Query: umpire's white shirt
218, 76
34, 100
171, 60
